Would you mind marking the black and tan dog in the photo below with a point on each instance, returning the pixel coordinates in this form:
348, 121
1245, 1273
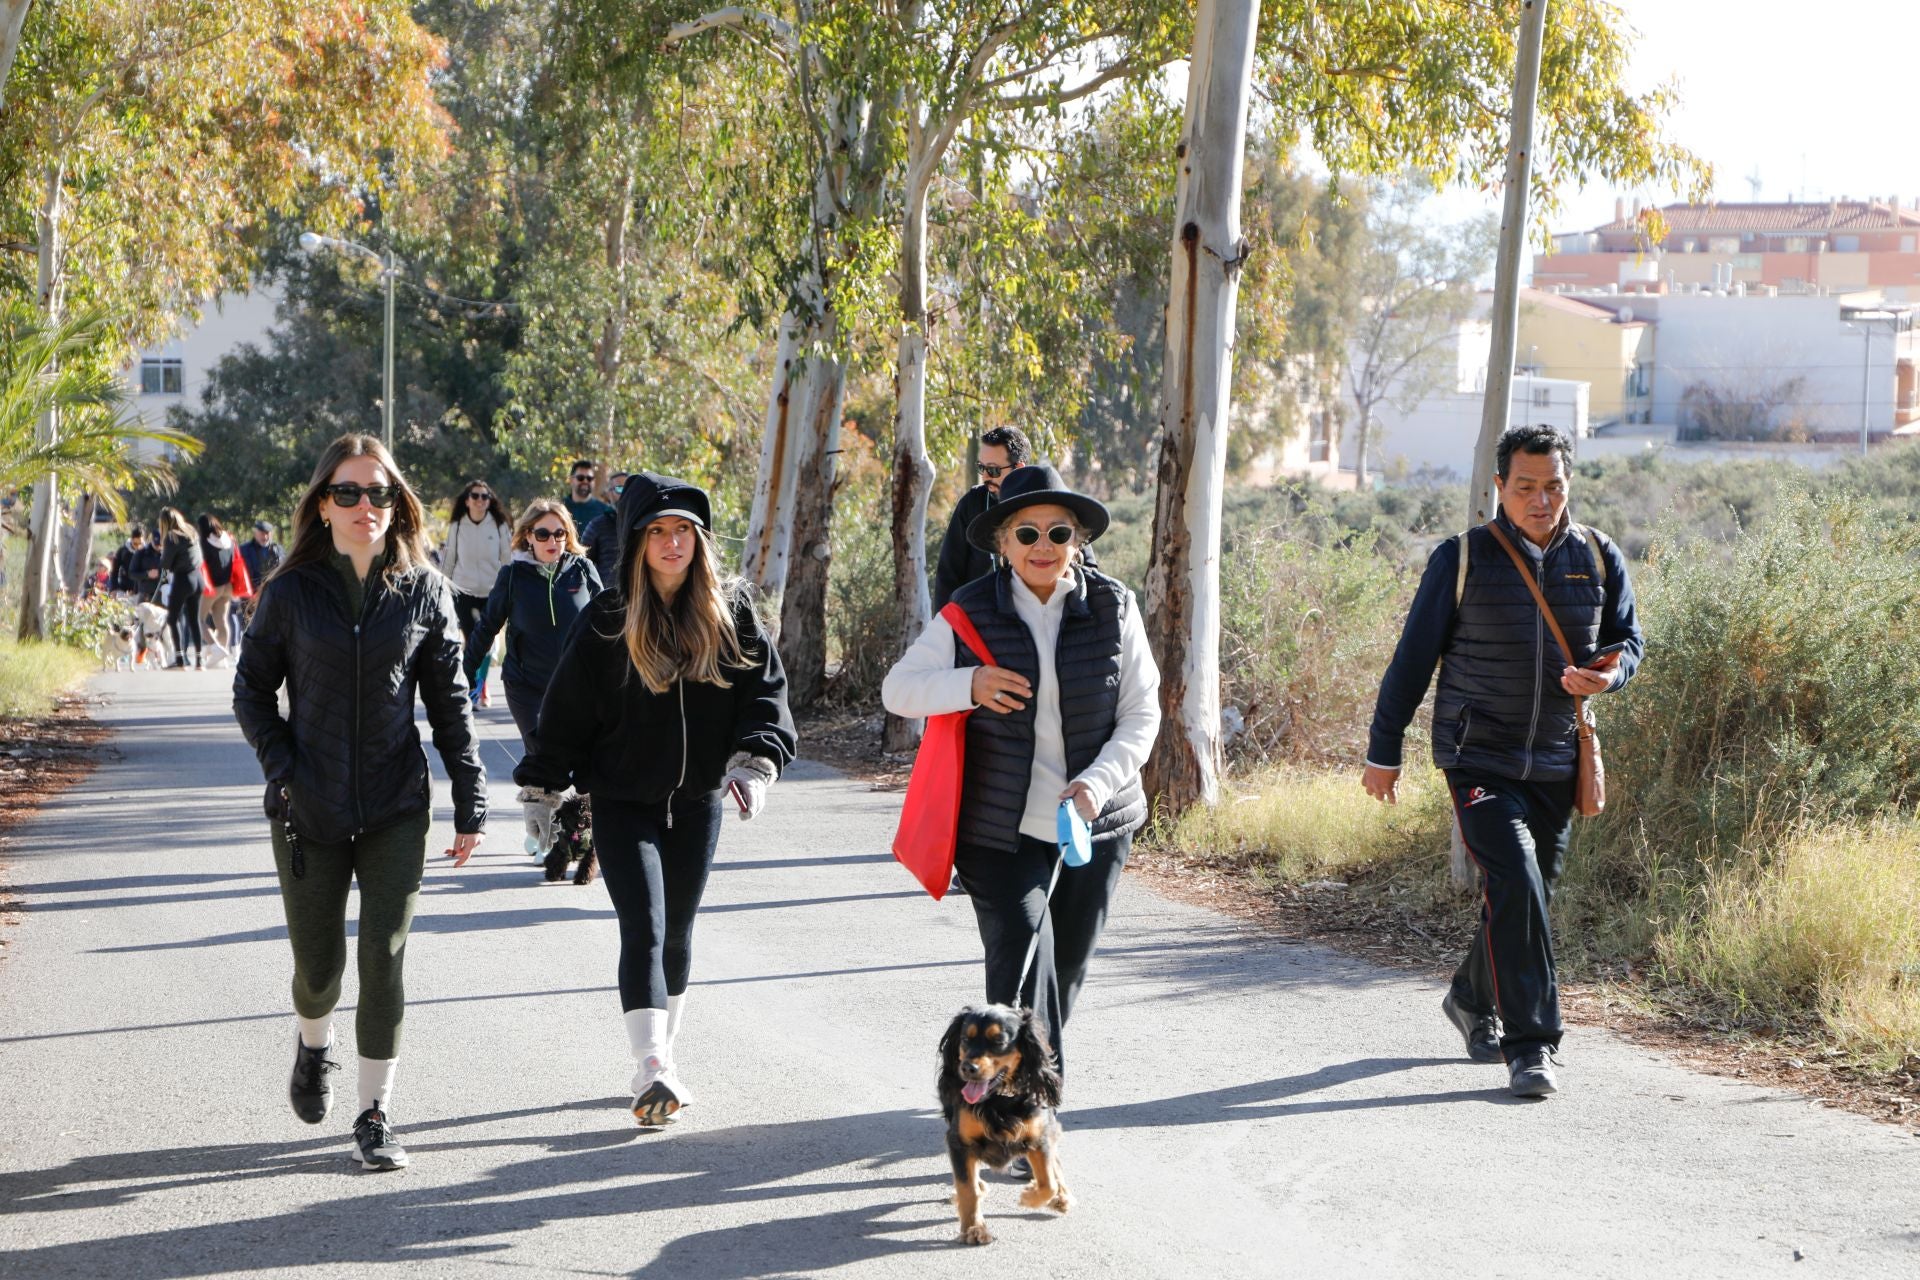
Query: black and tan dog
572, 841
998, 1092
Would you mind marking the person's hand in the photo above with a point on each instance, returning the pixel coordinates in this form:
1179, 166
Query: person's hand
1082, 796
537, 808
1001, 690
1584, 682
1382, 784
463, 847
749, 776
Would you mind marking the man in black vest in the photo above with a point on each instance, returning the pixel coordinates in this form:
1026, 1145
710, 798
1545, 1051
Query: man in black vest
1002, 450
1503, 730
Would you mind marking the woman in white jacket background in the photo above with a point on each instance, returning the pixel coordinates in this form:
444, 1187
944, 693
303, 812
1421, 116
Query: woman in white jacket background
1066, 713
479, 545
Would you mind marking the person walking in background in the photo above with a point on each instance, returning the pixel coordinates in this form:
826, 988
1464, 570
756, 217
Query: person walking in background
1002, 450
132, 563
667, 691
354, 622
601, 538
582, 506
479, 545
181, 568
262, 555
1504, 730
1071, 713
217, 554
536, 598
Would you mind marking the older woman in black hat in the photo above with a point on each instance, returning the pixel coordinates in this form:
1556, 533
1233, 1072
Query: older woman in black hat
1067, 715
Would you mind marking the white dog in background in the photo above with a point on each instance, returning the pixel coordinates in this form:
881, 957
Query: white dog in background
153, 621
120, 650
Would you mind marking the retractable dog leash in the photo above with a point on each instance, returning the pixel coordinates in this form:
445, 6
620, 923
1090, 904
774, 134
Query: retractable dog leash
296, 857
1076, 849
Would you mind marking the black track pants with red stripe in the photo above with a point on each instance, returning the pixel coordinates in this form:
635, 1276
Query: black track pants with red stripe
1516, 832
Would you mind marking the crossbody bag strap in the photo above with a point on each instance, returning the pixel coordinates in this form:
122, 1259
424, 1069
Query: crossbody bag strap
1546, 611
969, 634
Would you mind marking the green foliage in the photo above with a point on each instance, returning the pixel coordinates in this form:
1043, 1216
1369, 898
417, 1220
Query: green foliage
59, 368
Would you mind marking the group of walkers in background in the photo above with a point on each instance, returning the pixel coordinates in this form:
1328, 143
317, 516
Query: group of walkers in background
639, 677
199, 581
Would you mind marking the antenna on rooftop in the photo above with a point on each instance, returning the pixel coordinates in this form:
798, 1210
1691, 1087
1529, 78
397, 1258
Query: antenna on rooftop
1753, 181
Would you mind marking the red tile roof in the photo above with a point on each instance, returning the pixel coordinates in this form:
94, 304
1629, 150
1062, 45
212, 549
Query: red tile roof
1804, 215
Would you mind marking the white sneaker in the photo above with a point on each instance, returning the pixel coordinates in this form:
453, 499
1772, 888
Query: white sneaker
657, 1094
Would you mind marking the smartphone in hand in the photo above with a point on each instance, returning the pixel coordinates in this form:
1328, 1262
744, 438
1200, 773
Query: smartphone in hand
1604, 658
739, 796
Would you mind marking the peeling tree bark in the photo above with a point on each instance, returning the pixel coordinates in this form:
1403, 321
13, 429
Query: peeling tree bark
770, 527
912, 468
13, 19
42, 569
803, 607
1183, 583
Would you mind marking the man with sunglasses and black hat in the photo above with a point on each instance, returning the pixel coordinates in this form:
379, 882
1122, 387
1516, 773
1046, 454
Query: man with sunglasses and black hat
1002, 450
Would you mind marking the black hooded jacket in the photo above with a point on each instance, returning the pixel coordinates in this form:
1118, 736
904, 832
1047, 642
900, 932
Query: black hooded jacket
603, 732
349, 755
537, 607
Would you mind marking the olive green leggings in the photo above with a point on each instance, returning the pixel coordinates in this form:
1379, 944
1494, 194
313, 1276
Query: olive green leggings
388, 864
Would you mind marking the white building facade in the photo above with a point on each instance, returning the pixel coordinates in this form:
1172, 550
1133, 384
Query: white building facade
175, 372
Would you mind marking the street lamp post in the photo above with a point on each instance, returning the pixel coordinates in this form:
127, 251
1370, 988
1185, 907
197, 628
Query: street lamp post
312, 242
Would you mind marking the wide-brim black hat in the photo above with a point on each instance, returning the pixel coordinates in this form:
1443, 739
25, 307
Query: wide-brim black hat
1035, 485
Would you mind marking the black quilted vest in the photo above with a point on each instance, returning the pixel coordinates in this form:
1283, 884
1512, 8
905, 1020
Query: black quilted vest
1499, 707
1087, 664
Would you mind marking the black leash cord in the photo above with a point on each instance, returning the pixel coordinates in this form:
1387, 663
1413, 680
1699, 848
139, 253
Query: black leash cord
296, 858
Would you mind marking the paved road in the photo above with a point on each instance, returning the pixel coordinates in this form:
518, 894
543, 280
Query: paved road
1239, 1107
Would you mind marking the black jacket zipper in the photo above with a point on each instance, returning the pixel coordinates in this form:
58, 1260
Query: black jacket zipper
353, 747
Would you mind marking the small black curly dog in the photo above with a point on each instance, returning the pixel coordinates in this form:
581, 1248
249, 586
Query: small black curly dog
573, 838
998, 1091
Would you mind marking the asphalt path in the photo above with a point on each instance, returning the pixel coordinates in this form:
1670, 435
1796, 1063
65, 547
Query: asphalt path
1239, 1106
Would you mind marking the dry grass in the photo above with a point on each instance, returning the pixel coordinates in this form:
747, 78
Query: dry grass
32, 676
1297, 824
1828, 929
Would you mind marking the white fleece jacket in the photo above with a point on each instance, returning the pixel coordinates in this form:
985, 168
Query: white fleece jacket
475, 553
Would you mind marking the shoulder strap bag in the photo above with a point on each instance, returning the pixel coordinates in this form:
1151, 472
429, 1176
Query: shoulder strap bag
930, 818
1590, 772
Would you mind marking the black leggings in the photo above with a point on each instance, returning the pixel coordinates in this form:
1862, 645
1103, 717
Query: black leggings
655, 875
183, 614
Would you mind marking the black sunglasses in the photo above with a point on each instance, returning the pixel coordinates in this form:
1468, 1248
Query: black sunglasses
480, 495
992, 470
547, 535
585, 477
1027, 535
348, 494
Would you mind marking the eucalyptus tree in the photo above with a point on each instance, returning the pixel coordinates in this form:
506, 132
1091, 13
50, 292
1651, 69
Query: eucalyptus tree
1379, 88
145, 142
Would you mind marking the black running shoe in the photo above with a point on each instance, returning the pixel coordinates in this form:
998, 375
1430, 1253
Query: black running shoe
374, 1145
1530, 1074
310, 1092
1481, 1031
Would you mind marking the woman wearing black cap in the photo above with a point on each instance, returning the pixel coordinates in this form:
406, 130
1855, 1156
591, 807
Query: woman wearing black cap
1071, 713
667, 692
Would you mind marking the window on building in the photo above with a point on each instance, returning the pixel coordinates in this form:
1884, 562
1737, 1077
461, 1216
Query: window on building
1906, 244
1794, 244
1846, 244
1723, 244
1542, 397
1640, 381
161, 378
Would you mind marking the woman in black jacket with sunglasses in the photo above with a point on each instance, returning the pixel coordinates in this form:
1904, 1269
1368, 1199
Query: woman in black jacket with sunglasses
353, 623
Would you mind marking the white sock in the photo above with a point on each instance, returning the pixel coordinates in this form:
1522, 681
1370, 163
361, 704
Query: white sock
315, 1033
376, 1084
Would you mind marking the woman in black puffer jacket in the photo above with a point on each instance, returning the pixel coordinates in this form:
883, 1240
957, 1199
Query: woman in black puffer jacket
668, 694
352, 623
181, 568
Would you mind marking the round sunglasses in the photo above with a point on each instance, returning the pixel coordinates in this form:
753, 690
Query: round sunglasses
1028, 535
478, 495
547, 535
347, 494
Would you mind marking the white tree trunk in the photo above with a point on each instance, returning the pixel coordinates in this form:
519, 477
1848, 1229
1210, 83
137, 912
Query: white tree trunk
815, 416
13, 19
770, 528
1183, 583
42, 569
79, 550
1363, 441
912, 468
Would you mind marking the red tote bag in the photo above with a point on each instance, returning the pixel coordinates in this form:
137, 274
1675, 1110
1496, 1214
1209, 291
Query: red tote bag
930, 818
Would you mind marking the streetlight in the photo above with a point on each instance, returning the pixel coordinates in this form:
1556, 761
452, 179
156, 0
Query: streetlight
313, 242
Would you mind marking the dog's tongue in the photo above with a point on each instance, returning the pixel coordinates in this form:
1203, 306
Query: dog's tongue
974, 1090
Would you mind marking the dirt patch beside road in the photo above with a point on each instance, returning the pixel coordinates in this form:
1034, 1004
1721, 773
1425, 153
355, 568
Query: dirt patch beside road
39, 758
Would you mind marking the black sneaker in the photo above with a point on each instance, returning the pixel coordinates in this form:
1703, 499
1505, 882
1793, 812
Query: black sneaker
1481, 1031
309, 1090
1530, 1074
374, 1145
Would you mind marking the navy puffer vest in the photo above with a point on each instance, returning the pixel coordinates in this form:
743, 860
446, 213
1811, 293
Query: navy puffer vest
1499, 706
1086, 663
